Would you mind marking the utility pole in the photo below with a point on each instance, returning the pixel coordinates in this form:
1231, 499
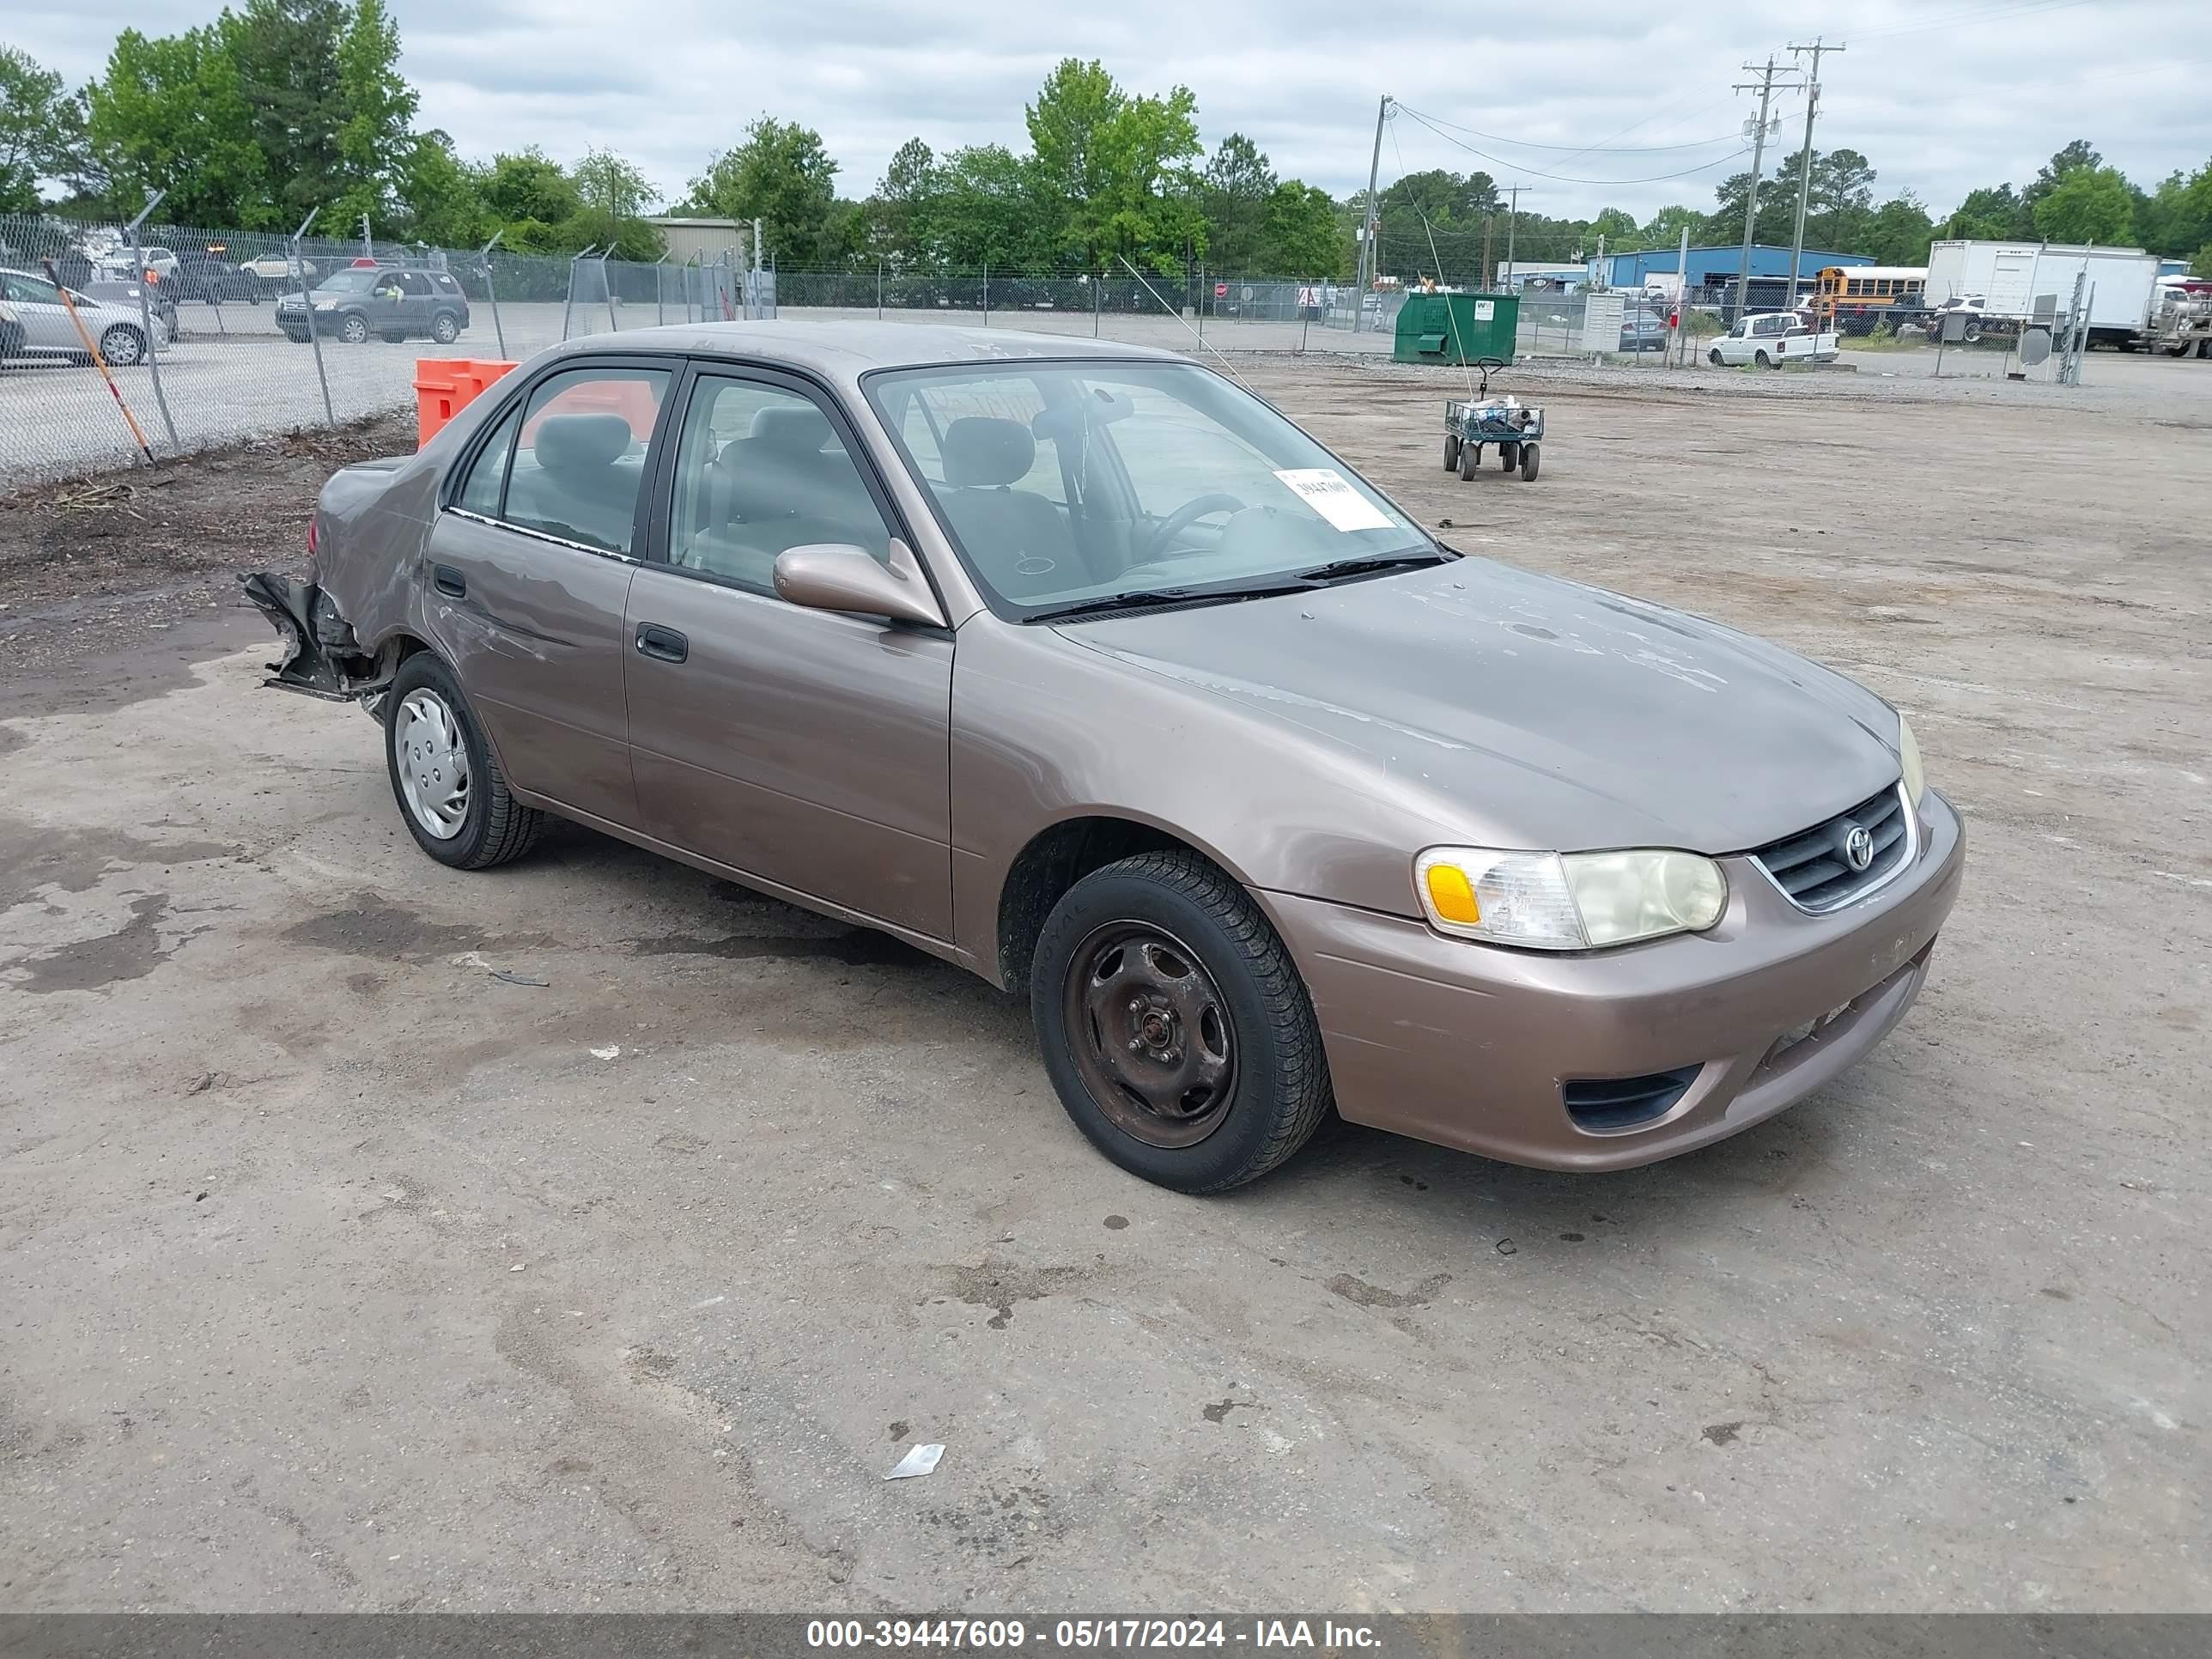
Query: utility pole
1805, 159
1512, 215
1765, 87
1369, 269
1489, 275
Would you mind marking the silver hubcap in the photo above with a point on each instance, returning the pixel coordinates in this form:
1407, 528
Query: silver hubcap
122, 347
434, 763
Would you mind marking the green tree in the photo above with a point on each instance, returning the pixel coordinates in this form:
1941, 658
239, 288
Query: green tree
285, 56
1299, 235
375, 108
1616, 225
1899, 232
612, 195
1236, 192
528, 185
1447, 200
988, 208
42, 130
2176, 218
1993, 214
438, 198
781, 175
1115, 171
2088, 205
2072, 159
901, 213
2202, 265
1664, 228
171, 114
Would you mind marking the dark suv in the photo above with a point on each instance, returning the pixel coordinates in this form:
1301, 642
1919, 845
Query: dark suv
390, 301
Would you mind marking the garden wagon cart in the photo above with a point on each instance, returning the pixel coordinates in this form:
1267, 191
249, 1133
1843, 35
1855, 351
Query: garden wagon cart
1515, 428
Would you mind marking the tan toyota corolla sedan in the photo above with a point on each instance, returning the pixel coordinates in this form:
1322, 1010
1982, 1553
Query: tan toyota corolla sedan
1083, 668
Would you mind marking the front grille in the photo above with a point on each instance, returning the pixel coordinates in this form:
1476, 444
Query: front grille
1814, 866
1622, 1103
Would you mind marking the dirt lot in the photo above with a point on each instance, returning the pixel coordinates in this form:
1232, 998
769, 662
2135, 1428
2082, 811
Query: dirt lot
337, 1273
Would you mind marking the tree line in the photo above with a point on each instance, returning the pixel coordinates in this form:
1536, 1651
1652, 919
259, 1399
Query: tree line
284, 106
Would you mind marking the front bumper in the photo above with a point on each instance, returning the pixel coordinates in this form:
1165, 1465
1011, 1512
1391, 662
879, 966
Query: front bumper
1468, 1045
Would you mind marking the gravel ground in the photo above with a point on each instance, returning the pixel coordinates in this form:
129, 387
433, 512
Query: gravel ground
336, 1273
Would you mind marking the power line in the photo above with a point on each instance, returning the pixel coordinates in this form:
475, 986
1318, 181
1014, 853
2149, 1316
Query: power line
1566, 178
1986, 14
1587, 149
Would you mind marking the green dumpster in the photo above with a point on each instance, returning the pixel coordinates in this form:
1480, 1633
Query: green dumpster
1456, 328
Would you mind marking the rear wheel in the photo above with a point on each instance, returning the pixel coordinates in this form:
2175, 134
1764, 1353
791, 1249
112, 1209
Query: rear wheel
446, 329
1470, 456
1174, 1026
1509, 457
1766, 361
1529, 453
1451, 451
448, 782
123, 345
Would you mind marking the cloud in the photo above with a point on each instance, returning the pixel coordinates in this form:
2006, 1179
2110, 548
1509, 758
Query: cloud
1984, 97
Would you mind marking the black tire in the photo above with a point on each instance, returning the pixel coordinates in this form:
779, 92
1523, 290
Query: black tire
1529, 461
1714, 358
1451, 451
1509, 457
354, 330
1766, 361
1971, 334
446, 328
1470, 456
496, 827
390, 338
123, 346
1278, 1092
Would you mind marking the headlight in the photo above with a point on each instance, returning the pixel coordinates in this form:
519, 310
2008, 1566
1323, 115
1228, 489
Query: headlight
1574, 901
1908, 758
326, 305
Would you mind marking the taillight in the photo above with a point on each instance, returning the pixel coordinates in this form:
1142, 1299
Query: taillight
314, 534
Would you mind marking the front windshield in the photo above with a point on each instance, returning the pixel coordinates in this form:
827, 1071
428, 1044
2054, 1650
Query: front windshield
1070, 483
348, 282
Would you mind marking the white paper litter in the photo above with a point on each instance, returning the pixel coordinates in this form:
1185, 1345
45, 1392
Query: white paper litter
919, 1460
607, 1054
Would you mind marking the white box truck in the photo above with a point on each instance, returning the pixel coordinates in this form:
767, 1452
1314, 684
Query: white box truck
2003, 280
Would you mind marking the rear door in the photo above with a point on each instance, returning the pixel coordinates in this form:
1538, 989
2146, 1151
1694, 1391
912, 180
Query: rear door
810, 749
414, 297
529, 567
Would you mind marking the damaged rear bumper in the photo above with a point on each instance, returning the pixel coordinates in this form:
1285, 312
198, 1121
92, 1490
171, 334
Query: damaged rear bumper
322, 656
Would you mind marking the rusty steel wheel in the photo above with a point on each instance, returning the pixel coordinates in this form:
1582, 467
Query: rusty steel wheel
1151, 1034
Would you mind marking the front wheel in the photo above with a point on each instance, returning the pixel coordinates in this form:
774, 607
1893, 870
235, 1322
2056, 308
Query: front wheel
1714, 358
1451, 451
1529, 453
123, 345
1509, 457
1470, 456
354, 331
1175, 1027
444, 775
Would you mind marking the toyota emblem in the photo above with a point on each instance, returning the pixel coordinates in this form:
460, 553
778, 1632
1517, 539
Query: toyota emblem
1858, 846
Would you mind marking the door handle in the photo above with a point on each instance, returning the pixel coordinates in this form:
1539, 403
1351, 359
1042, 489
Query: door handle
665, 644
448, 581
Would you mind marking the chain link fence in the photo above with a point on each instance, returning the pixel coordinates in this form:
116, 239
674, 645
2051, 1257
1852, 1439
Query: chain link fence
235, 334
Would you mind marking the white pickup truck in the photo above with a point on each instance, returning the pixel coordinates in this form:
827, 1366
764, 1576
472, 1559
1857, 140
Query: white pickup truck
1771, 338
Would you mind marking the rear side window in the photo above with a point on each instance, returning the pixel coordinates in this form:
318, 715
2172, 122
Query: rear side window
487, 480
446, 284
580, 458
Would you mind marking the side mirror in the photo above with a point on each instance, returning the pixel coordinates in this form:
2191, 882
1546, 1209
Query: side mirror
838, 576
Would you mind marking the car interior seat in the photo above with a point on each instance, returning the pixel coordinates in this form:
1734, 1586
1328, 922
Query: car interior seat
1019, 541
580, 481
779, 487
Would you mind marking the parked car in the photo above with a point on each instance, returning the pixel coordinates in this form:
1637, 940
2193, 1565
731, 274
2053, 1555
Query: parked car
1079, 666
199, 276
388, 302
123, 297
1644, 332
115, 265
48, 331
276, 272
1772, 339
11, 331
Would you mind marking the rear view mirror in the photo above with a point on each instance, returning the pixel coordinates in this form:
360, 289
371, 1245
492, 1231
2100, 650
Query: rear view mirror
838, 576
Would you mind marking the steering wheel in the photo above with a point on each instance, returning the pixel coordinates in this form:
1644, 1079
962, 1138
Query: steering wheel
1181, 519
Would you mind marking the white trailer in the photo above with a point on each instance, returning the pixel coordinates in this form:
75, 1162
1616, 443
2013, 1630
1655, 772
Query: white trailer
2008, 278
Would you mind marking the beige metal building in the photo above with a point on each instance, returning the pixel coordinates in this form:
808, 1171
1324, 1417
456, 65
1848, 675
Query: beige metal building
707, 239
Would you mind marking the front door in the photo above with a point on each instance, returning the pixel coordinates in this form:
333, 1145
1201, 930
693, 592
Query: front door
529, 570
38, 306
808, 748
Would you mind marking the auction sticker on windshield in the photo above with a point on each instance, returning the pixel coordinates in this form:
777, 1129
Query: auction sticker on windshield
1324, 489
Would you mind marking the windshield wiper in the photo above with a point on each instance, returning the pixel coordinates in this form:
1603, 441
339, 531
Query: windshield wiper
1371, 564
1147, 598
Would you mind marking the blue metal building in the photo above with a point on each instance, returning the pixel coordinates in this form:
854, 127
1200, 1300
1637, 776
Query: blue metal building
1711, 266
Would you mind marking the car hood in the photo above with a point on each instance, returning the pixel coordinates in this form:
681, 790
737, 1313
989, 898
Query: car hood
1535, 712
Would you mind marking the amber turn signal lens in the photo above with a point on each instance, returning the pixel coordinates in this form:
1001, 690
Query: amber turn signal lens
1451, 894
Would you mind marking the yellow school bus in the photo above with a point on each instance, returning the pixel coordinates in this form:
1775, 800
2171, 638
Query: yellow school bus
1852, 299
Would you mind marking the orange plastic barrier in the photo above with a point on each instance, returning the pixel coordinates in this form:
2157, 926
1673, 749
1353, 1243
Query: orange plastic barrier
446, 386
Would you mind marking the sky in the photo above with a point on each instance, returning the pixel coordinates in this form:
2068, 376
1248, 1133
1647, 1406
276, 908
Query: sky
1587, 104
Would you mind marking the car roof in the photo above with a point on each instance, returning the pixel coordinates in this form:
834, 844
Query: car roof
843, 351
